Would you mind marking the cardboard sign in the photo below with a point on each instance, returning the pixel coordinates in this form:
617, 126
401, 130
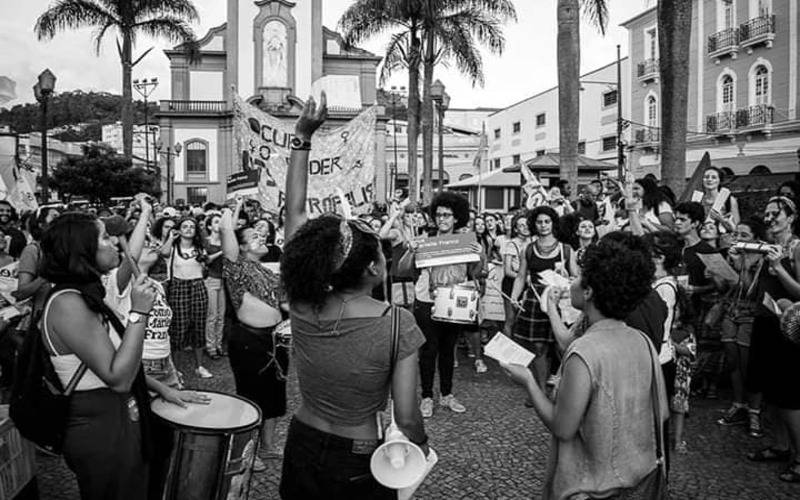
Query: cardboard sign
447, 249
492, 307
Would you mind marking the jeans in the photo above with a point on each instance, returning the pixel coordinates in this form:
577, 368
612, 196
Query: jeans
215, 319
318, 465
440, 344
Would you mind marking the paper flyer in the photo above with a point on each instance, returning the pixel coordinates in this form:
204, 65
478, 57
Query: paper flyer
505, 350
718, 266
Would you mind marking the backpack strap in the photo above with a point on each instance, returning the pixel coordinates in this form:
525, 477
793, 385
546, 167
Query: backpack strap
79, 373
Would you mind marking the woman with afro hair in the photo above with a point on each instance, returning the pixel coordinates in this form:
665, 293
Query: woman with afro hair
596, 451
344, 347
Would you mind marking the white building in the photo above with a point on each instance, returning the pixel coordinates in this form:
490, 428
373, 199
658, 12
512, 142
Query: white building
144, 145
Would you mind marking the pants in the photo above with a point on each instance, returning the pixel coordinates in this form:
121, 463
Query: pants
103, 447
215, 320
259, 369
189, 302
318, 465
440, 343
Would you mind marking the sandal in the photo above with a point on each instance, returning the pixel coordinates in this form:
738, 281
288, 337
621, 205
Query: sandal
770, 454
791, 474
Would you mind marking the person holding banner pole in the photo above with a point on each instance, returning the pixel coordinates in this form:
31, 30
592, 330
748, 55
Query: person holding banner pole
342, 345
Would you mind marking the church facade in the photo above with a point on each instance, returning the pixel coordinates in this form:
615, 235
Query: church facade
274, 54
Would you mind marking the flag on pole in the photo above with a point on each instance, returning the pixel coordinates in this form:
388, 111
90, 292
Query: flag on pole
8, 89
696, 182
535, 193
478, 160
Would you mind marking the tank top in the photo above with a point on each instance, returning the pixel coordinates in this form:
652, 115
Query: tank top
537, 262
185, 268
156, 335
66, 365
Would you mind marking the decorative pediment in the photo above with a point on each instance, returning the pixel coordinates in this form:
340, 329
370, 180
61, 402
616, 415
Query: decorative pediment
285, 3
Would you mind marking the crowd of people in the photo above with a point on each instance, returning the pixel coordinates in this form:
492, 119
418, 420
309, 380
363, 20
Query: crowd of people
667, 301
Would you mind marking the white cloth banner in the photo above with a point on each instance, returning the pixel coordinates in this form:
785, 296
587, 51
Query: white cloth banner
342, 158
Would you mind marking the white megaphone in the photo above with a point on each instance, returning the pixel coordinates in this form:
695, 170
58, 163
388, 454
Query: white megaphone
398, 463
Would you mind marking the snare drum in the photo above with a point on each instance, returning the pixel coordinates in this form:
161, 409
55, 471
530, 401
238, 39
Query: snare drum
456, 304
209, 448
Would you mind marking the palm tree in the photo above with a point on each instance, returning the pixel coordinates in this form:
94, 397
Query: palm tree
674, 25
569, 62
452, 31
130, 18
367, 18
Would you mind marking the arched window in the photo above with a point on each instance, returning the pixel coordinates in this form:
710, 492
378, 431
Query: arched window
196, 157
761, 85
463, 177
728, 93
652, 111
760, 170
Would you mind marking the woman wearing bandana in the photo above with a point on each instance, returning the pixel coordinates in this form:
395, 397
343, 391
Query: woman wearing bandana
343, 345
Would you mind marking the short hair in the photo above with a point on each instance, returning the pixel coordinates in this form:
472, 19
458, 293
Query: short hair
619, 269
209, 219
693, 209
311, 274
667, 245
13, 214
455, 202
519, 215
756, 225
542, 210
69, 249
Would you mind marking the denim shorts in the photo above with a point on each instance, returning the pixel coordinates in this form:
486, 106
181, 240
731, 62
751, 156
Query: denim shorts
318, 465
163, 370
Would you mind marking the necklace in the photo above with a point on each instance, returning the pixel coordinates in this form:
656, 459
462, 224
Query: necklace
341, 310
545, 250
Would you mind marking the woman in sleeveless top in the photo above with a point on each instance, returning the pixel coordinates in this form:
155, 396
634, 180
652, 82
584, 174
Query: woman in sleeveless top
728, 217
774, 359
532, 328
216, 294
343, 343
512, 256
597, 451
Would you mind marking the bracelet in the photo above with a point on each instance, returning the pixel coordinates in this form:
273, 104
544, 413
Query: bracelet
140, 312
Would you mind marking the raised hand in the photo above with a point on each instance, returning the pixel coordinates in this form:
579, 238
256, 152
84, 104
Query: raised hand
312, 117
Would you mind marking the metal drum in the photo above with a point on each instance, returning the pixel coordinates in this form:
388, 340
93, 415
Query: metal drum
205, 452
456, 304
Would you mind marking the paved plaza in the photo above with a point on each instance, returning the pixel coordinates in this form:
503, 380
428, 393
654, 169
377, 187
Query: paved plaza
498, 449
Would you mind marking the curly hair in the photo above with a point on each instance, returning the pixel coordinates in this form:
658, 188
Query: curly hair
455, 202
666, 244
542, 210
567, 229
197, 239
158, 227
693, 209
653, 196
619, 270
309, 259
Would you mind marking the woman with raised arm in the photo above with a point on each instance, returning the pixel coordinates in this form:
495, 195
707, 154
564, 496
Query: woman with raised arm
342, 344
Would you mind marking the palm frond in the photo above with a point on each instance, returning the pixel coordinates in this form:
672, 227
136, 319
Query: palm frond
99, 34
72, 14
487, 31
462, 49
174, 29
396, 56
368, 18
183, 9
596, 11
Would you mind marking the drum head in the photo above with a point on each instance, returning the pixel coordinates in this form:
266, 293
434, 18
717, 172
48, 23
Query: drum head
224, 412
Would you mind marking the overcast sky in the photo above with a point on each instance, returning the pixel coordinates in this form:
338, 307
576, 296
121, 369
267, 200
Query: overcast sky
526, 67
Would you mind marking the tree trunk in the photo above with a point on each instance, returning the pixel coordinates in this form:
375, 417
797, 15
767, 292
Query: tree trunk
127, 101
569, 61
674, 27
427, 119
413, 114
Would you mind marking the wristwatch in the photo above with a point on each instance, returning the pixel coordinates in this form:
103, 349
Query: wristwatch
299, 144
136, 317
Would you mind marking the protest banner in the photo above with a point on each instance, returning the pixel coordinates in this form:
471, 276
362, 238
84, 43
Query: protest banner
8, 283
243, 183
445, 250
342, 158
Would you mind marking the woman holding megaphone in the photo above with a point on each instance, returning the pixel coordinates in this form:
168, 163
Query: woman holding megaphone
343, 343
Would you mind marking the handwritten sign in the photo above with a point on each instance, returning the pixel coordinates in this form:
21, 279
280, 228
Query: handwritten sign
447, 249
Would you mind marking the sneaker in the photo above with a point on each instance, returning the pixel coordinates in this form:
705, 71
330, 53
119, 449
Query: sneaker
754, 424
202, 372
258, 465
735, 415
426, 407
452, 403
480, 366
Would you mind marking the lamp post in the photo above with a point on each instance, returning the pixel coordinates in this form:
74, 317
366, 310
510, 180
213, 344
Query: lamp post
43, 90
168, 152
145, 88
442, 100
396, 93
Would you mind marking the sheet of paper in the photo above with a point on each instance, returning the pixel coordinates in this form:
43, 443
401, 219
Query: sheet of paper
503, 349
552, 278
720, 200
718, 266
697, 196
770, 304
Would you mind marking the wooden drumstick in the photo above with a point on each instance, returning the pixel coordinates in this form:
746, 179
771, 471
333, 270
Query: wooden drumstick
513, 302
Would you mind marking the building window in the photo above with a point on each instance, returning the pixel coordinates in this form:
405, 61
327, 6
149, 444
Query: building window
497, 133
727, 92
515, 159
582, 148
761, 85
196, 157
609, 143
763, 8
196, 195
609, 98
541, 119
727, 18
541, 152
652, 111
517, 126
651, 43
496, 164
494, 199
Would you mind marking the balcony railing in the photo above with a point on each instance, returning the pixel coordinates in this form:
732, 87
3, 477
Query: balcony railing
646, 136
194, 106
724, 42
757, 30
647, 70
757, 116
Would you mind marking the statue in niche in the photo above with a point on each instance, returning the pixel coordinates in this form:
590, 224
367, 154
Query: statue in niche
275, 55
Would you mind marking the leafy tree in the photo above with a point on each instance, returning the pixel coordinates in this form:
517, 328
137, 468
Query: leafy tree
129, 18
101, 174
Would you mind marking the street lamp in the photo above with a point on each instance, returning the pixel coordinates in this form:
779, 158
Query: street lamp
146, 87
43, 90
168, 152
397, 95
442, 100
